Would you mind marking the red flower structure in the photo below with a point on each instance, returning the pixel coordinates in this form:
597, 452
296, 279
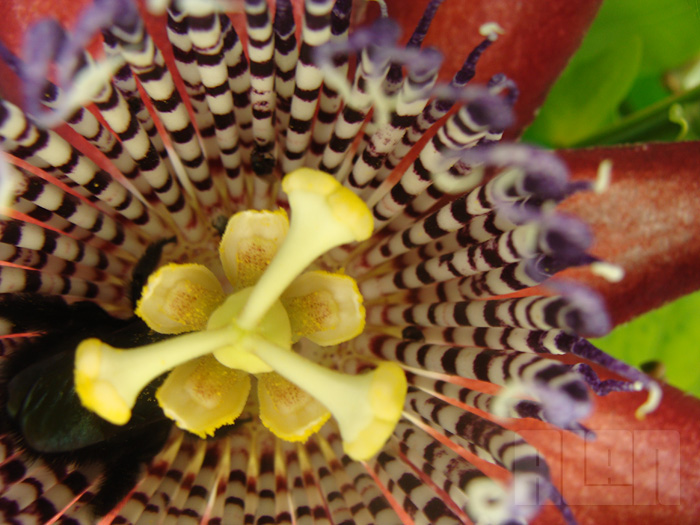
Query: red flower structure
449, 279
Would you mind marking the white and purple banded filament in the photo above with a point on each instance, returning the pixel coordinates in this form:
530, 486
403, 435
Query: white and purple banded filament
461, 229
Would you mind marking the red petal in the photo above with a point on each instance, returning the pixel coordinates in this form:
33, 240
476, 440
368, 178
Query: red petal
631, 472
648, 222
540, 37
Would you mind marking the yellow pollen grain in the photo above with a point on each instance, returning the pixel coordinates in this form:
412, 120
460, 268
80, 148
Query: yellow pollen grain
191, 304
311, 313
252, 257
205, 384
288, 411
285, 396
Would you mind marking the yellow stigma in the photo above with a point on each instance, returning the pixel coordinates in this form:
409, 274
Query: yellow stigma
96, 392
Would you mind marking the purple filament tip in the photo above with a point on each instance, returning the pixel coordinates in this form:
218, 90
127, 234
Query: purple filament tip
468, 69
564, 237
490, 111
545, 266
43, 42
546, 175
383, 32
585, 349
563, 506
425, 63
603, 387
123, 12
565, 404
586, 313
579, 185
500, 82
424, 24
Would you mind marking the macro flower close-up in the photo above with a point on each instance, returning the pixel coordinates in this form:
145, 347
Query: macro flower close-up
288, 261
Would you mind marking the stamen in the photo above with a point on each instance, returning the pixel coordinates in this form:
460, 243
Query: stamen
179, 298
287, 410
324, 215
249, 244
108, 380
325, 308
366, 407
203, 395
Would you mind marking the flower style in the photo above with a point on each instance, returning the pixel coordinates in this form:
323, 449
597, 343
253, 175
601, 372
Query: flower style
196, 126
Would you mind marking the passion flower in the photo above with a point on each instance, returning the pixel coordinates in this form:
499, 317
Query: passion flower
394, 301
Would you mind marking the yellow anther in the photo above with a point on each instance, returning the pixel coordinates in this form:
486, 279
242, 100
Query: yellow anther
287, 410
325, 308
324, 215
366, 407
108, 380
203, 395
179, 298
249, 243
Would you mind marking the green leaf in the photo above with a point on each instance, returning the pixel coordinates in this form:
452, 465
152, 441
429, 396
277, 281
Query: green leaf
587, 94
670, 335
648, 124
668, 29
645, 91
